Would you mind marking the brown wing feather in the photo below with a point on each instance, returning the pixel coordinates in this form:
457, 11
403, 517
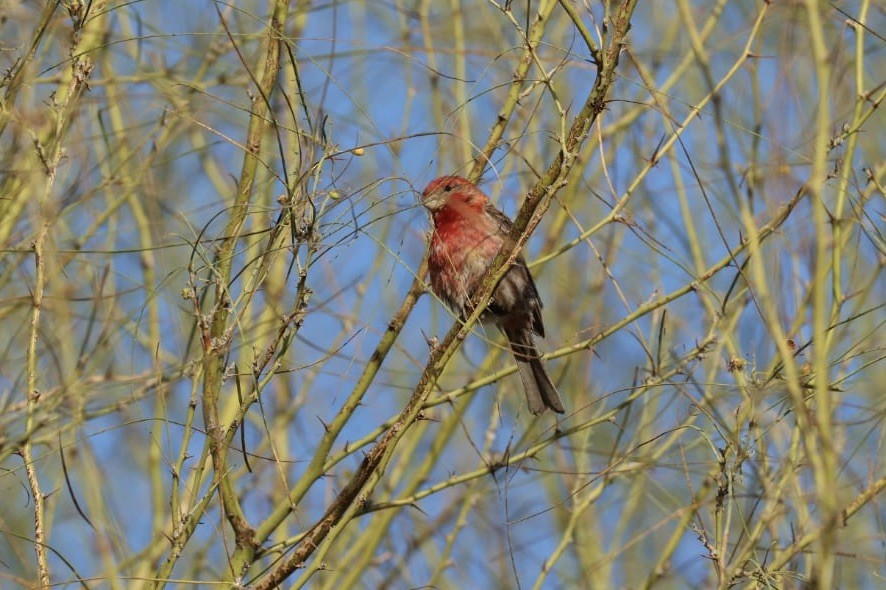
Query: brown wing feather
530, 291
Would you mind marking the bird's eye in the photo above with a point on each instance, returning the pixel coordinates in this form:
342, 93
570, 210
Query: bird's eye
448, 187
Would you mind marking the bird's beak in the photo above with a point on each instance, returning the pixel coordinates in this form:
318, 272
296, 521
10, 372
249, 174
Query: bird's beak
434, 201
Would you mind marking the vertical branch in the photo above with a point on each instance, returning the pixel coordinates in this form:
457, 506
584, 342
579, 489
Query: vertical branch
822, 454
457, 20
49, 151
33, 401
216, 344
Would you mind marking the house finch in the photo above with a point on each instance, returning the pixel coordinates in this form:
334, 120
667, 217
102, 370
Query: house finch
468, 234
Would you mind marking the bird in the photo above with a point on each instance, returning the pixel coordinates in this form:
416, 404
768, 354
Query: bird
468, 233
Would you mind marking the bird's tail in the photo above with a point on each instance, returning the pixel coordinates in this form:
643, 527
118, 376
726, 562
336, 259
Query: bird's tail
540, 391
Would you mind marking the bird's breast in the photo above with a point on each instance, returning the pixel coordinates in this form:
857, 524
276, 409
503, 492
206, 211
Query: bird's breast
460, 255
